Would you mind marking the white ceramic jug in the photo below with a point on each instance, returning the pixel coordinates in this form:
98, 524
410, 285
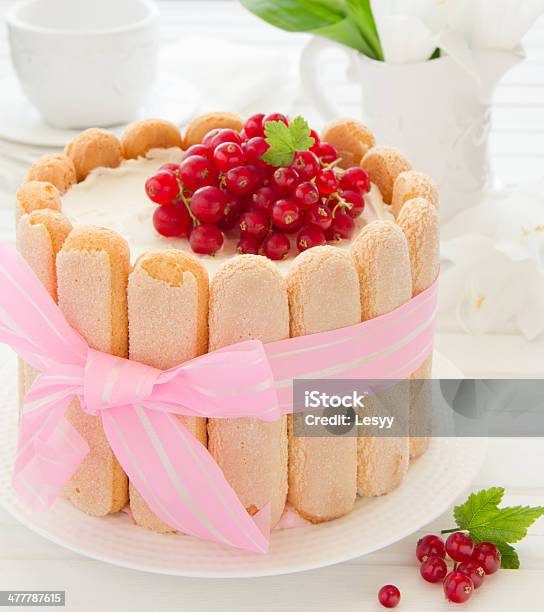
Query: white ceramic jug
435, 112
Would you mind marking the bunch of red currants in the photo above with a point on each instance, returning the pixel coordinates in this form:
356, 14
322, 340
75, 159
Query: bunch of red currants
223, 185
472, 563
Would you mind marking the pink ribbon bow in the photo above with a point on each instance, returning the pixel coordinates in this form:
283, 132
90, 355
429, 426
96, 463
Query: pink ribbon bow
174, 473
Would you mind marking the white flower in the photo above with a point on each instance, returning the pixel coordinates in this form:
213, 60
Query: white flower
410, 30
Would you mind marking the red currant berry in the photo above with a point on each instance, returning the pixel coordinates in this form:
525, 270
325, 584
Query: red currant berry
162, 188
488, 556
240, 180
474, 571
355, 179
260, 175
458, 587
317, 140
276, 246
341, 228
254, 126
206, 239
326, 153
254, 223
248, 245
285, 213
319, 215
208, 204
243, 136
234, 208
197, 171
274, 117
326, 182
228, 155
173, 168
264, 198
433, 569
430, 545
172, 220
306, 194
306, 165
285, 180
199, 149
310, 236
459, 546
224, 135
355, 200
255, 148
389, 596
209, 136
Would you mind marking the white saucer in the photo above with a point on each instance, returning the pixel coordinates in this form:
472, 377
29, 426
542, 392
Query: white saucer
433, 484
173, 98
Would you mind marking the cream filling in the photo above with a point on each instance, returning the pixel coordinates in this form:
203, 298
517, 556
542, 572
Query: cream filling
115, 198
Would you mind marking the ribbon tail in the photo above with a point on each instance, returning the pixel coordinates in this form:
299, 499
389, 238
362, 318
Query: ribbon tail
179, 479
49, 452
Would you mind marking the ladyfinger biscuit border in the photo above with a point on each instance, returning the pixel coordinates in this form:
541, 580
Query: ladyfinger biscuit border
201, 125
94, 148
142, 136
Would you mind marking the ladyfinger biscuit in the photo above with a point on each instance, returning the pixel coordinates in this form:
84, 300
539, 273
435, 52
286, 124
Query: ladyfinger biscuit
383, 165
40, 236
411, 184
168, 324
382, 260
248, 300
94, 148
201, 125
55, 169
419, 221
92, 274
141, 136
323, 289
36, 195
351, 138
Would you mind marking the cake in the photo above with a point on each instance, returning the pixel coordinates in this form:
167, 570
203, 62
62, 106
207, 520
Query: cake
84, 224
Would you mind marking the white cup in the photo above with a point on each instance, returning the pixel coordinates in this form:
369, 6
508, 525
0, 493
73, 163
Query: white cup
435, 112
85, 63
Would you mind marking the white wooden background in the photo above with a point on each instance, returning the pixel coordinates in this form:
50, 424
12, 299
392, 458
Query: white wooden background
29, 562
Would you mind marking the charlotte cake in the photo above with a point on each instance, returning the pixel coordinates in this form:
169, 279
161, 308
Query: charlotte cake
171, 312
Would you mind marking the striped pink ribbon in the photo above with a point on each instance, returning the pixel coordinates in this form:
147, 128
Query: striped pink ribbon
175, 474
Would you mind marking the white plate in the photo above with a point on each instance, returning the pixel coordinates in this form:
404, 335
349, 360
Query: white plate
432, 485
173, 98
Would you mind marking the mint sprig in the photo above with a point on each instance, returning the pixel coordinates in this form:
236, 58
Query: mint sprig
284, 141
481, 516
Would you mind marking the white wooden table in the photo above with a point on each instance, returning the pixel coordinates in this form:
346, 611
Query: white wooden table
29, 562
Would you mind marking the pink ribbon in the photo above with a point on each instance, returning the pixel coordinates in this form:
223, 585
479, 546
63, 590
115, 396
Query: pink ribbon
174, 473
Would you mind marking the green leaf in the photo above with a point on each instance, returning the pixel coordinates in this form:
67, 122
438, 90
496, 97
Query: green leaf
284, 141
329, 18
505, 524
509, 556
477, 507
361, 13
346, 33
300, 134
296, 15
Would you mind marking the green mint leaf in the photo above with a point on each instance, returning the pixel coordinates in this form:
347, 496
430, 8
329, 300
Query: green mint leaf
278, 137
284, 141
300, 134
505, 524
478, 507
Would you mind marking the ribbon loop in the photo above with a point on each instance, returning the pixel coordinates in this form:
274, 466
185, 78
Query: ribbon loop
113, 381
